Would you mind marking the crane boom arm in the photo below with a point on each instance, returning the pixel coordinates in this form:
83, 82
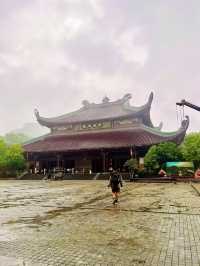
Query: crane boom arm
185, 103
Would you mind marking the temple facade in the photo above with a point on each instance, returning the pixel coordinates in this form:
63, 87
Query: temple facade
98, 136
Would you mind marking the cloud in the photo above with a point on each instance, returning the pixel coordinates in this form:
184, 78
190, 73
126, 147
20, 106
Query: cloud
130, 51
54, 54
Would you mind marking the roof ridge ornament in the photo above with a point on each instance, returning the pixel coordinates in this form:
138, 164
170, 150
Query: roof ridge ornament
160, 126
150, 98
37, 114
106, 100
85, 103
127, 97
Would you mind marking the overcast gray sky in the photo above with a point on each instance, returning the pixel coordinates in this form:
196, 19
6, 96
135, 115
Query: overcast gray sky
55, 53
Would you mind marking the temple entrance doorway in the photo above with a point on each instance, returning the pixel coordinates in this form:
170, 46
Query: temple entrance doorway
97, 165
52, 164
69, 164
118, 163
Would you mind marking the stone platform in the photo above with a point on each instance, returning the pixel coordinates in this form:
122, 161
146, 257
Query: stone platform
74, 223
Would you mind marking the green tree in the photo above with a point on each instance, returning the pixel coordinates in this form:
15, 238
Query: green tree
13, 138
131, 164
11, 158
190, 148
161, 153
3, 148
151, 160
14, 157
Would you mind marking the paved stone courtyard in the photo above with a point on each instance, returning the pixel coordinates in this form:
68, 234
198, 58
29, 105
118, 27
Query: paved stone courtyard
75, 223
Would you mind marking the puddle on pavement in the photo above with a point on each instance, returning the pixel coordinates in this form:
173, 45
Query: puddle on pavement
4, 205
138, 261
51, 214
168, 218
31, 221
133, 244
149, 209
178, 206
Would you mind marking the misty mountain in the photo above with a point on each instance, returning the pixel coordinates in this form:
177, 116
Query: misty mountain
32, 130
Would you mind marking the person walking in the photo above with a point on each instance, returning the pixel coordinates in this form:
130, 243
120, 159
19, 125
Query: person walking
115, 181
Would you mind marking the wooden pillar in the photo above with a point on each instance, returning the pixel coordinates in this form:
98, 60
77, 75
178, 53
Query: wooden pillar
47, 163
58, 161
133, 152
103, 161
35, 164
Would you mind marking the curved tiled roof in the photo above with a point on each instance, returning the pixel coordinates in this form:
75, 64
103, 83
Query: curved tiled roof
104, 111
141, 136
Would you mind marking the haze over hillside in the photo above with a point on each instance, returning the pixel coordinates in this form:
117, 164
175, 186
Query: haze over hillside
31, 130
54, 54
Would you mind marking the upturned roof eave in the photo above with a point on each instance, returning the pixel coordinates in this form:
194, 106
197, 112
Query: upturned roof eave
42, 121
176, 137
143, 110
140, 127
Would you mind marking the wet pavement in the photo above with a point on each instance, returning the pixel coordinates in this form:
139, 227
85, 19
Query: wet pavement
74, 223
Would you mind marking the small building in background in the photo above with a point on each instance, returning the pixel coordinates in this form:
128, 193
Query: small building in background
180, 169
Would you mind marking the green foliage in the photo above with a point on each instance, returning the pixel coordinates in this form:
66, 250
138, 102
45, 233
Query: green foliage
190, 148
14, 157
151, 159
161, 153
131, 164
13, 138
3, 148
11, 157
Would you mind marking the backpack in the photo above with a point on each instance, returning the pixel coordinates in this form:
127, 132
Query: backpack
115, 179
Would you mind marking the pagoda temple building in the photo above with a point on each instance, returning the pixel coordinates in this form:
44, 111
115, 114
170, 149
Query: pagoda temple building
98, 136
